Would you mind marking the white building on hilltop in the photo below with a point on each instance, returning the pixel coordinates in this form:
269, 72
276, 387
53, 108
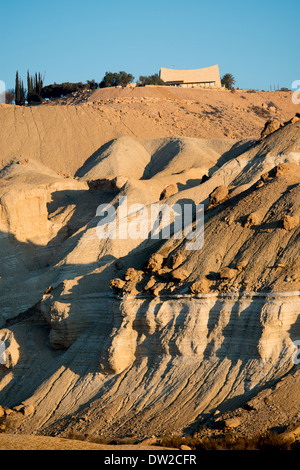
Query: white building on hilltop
206, 78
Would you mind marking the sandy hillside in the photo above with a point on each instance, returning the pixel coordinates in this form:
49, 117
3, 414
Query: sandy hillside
63, 137
137, 335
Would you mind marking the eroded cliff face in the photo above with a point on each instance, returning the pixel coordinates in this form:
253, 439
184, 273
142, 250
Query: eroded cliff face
97, 329
177, 360
155, 365
254, 326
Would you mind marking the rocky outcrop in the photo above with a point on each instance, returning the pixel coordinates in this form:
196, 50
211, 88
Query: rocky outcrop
218, 195
126, 331
290, 222
9, 349
271, 126
168, 191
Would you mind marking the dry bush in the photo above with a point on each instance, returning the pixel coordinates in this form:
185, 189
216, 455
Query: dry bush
76, 436
95, 439
228, 442
261, 112
98, 440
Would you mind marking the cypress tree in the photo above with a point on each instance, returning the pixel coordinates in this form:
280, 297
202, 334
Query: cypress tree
34, 85
28, 82
17, 89
22, 93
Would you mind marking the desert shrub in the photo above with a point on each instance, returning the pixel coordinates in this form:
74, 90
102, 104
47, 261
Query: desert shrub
34, 97
56, 90
76, 436
119, 441
98, 440
261, 112
111, 79
9, 96
177, 441
150, 80
268, 441
92, 85
95, 439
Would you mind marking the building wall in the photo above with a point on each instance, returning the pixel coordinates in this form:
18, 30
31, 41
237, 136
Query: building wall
209, 76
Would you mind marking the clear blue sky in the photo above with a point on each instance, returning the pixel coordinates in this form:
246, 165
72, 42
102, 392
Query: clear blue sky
70, 40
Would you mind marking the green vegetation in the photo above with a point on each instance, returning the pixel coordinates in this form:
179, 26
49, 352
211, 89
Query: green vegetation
150, 80
34, 87
228, 80
20, 94
92, 84
36, 91
57, 90
9, 96
116, 79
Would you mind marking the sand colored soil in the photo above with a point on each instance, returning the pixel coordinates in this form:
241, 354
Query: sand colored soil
63, 137
29, 442
181, 334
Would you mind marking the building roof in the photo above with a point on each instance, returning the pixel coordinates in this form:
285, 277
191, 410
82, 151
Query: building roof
205, 75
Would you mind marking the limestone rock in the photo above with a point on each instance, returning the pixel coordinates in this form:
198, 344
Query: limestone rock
168, 191
282, 169
117, 284
265, 177
291, 435
164, 273
228, 273
155, 262
24, 161
67, 320
133, 275
218, 195
184, 355
119, 182
150, 284
252, 220
232, 423
26, 410
176, 260
185, 447
9, 349
158, 288
179, 275
242, 264
200, 287
290, 222
296, 118
271, 126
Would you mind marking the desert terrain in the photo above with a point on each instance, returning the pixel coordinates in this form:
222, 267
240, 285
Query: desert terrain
138, 336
